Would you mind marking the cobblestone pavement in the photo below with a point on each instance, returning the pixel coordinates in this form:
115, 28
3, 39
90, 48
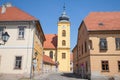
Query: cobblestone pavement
45, 76
60, 76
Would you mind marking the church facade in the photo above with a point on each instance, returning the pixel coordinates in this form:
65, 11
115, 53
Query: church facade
57, 46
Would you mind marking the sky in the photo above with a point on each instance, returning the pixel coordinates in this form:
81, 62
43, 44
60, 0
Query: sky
49, 11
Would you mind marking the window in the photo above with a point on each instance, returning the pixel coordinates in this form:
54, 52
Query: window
85, 46
21, 32
118, 65
63, 43
103, 44
90, 44
63, 33
105, 66
82, 50
18, 62
51, 54
86, 66
1, 32
117, 43
63, 55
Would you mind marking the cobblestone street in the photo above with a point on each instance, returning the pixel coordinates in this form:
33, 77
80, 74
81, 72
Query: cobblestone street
60, 76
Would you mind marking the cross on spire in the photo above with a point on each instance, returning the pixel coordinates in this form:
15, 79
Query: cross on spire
64, 7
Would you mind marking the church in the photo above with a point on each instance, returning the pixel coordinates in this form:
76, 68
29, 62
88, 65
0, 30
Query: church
57, 46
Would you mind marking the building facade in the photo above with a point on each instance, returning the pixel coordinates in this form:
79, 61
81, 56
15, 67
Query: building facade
75, 60
48, 64
98, 45
25, 43
57, 46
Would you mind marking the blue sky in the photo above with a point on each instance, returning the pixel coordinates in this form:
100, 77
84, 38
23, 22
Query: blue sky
48, 12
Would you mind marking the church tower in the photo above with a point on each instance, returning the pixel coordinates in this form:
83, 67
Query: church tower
63, 44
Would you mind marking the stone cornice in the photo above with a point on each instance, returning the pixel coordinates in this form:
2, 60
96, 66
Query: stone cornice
63, 48
104, 54
105, 32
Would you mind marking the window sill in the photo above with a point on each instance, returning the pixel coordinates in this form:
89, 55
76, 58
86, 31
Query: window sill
105, 71
117, 49
17, 68
21, 39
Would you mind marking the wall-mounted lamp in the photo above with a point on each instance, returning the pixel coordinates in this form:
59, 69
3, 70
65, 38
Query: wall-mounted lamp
5, 37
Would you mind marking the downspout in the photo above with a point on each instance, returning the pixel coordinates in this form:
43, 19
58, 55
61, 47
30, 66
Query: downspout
32, 49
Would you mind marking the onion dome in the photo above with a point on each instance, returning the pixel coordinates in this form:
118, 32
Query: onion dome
64, 17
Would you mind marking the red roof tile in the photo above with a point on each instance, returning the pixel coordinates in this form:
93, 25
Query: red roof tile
51, 41
103, 21
47, 59
15, 14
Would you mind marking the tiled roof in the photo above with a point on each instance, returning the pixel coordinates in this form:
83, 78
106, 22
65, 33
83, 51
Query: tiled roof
15, 14
51, 41
47, 59
103, 21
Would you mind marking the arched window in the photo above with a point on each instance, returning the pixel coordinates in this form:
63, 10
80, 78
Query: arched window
63, 33
63, 43
51, 54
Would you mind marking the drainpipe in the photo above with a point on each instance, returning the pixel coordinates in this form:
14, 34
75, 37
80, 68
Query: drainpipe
32, 50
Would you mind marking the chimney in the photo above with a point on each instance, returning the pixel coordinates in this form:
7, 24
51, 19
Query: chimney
3, 9
8, 4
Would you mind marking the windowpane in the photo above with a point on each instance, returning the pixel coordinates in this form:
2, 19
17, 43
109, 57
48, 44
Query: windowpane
90, 44
105, 66
85, 46
103, 44
63, 55
18, 62
63, 43
1, 32
51, 54
63, 33
118, 65
117, 43
21, 32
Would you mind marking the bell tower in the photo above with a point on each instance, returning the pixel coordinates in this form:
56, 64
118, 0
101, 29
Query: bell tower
63, 44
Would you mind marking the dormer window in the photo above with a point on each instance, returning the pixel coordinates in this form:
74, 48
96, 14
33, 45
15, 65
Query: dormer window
100, 24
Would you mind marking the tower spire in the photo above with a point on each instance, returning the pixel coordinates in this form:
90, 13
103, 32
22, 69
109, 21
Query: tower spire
64, 16
64, 7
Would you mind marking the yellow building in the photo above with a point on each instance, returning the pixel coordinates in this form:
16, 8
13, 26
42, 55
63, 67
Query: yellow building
98, 46
57, 46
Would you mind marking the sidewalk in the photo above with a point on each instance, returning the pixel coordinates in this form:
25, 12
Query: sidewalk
18, 77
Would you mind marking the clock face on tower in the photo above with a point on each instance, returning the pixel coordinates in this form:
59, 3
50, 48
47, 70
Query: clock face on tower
63, 27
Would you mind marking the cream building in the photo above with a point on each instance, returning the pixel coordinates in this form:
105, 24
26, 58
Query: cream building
98, 46
25, 42
57, 46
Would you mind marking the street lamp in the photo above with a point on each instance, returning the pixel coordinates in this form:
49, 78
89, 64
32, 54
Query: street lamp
5, 37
